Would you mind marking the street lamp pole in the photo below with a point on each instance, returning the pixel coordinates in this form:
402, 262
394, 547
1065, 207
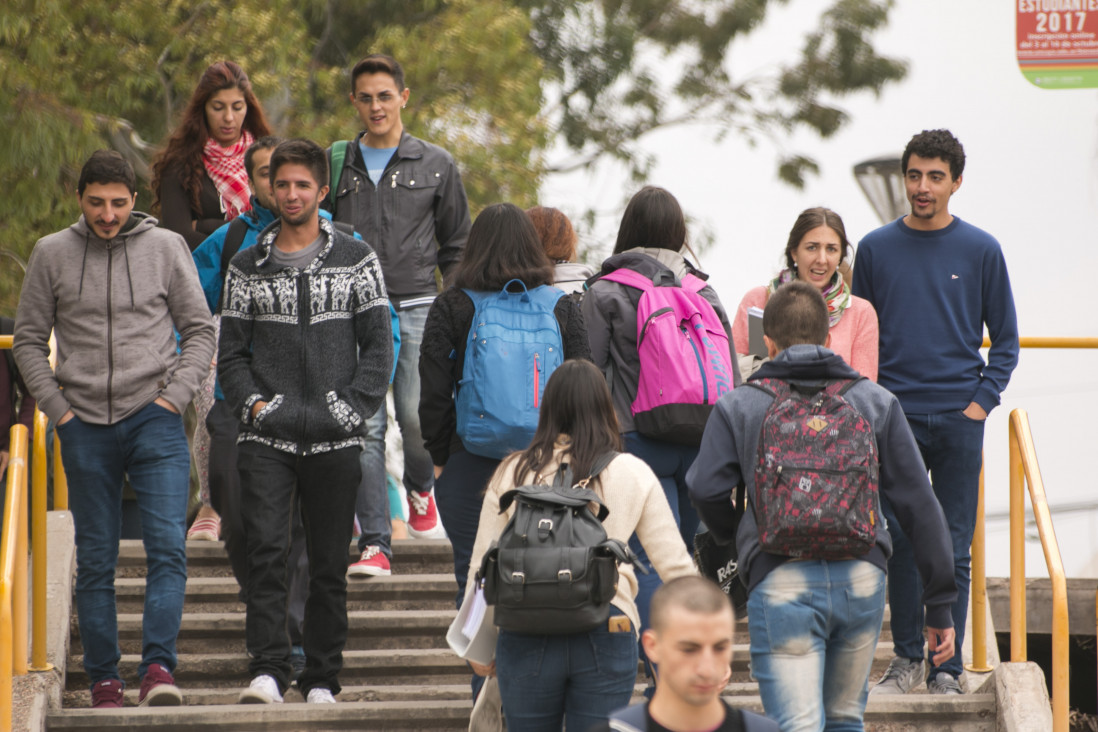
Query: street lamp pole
882, 182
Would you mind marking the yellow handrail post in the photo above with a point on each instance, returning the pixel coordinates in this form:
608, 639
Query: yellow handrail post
1017, 550
1022, 440
13, 549
979, 588
60, 484
18, 461
39, 661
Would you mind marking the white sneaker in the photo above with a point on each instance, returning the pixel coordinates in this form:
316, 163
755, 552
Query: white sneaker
262, 690
320, 695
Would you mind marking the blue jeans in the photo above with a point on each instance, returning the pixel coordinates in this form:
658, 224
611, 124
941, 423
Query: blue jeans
459, 496
151, 449
814, 628
952, 448
669, 462
577, 679
372, 505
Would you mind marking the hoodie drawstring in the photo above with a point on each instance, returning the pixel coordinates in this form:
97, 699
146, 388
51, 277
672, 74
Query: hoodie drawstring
83, 265
129, 278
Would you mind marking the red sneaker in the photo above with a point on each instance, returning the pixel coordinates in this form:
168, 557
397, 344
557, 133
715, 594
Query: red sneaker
107, 694
372, 564
423, 520
158, 688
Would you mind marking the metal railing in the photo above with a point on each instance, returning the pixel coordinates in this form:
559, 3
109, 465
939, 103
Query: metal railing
13, 575
13, 554
1051, 342
1024, 471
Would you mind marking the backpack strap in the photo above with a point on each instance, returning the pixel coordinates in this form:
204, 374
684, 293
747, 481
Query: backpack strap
630, 719
337, 157
629, 278
234, 238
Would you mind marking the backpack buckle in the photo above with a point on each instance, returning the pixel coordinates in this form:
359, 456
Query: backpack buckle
518, 577
545, 527
564, 575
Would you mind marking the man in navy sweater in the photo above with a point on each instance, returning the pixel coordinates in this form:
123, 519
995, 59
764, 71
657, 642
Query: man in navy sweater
935, 282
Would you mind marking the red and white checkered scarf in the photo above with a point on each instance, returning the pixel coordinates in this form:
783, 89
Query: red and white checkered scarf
226, 168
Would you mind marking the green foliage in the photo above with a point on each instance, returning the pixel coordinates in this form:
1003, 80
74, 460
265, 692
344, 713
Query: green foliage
515, 89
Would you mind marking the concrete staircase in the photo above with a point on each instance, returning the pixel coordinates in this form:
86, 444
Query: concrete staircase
398, 672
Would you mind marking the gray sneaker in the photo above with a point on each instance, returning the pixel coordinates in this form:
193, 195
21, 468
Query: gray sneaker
943, 683
902, 676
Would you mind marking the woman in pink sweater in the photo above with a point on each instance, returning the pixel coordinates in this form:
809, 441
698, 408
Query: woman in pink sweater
817, 245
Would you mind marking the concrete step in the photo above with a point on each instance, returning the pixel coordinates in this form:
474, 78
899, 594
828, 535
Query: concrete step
968, 713
207, 558
224, 632
414, 666
374, 666
221, 594
405, 715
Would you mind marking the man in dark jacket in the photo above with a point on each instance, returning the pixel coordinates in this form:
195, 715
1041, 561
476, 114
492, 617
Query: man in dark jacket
405, 197
815, 622
114, 288
305, 355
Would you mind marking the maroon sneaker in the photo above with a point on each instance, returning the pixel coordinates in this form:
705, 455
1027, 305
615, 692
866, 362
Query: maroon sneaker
107, 694
158, 688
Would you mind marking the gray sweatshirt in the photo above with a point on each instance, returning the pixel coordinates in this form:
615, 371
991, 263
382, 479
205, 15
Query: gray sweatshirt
112, 305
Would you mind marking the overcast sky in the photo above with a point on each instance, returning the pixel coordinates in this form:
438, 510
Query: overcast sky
1031, 179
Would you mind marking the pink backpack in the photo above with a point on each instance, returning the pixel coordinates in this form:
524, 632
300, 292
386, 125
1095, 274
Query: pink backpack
685, 360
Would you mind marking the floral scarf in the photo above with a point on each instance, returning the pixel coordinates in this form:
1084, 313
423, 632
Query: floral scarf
225, 166
836, 294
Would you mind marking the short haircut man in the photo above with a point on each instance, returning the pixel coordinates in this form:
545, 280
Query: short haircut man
115, 289
812, 657
936, 282
690, 639
405, 197
303, 371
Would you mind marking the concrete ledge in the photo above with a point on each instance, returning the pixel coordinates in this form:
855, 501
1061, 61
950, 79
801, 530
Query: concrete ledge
1022, 702
38, 692
1080, 596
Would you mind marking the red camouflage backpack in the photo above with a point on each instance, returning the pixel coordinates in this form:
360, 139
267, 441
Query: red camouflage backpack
817, 474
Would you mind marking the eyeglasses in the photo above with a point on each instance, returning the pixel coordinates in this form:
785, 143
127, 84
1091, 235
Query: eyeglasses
383, 98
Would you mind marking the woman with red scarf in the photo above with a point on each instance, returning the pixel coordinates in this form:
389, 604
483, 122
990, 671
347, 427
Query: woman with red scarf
199, 181
817, 246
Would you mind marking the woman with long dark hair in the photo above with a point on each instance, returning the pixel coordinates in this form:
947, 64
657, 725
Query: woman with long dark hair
502, 246
817, 246
199, 181
652, 243
580, 678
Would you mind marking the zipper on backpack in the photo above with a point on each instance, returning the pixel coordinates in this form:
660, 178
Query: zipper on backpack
537, 380
701, 364
652, 317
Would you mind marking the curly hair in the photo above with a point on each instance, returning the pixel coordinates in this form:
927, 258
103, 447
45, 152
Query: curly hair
936, 144
183, 153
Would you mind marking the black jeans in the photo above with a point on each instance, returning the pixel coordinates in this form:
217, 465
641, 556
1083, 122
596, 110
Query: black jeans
224, 428
325, 487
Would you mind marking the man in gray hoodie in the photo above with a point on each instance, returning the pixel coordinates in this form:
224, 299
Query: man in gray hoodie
114, 288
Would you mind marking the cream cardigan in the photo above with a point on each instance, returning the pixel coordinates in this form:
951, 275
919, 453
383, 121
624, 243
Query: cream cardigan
633, 494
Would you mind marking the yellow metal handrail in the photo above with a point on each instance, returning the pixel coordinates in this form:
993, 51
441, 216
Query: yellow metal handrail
1024, 471
13, 574
39, 563
1051, 342
979, 588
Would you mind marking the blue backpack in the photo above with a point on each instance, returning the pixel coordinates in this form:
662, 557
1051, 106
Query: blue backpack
514, 346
